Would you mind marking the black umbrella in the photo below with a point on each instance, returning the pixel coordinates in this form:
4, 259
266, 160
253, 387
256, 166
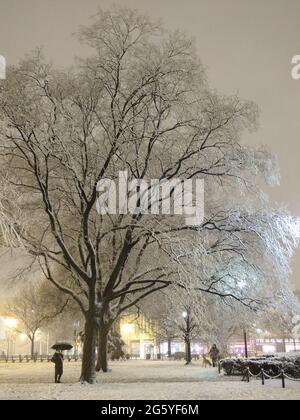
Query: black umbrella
62, 346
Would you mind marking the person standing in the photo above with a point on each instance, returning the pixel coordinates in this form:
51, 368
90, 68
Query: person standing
214, 354
58, 360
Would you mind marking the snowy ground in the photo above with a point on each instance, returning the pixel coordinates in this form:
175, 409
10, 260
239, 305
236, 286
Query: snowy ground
135, 380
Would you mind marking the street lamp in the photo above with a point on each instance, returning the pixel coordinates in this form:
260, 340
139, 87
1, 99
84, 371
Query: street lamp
10, 323
127, 328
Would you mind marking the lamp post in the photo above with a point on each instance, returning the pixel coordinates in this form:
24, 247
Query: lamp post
245, 343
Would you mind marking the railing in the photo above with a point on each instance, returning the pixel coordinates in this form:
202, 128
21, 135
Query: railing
263, 375
36, 358
47, 358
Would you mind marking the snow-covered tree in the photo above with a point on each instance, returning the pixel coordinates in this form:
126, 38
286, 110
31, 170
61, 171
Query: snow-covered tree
141, 103
278, 317
177, 316
34, 307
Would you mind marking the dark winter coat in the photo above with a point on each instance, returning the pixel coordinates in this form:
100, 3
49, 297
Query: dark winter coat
214, 353
58, 359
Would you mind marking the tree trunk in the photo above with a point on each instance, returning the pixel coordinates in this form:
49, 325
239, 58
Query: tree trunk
32, 340
284, 345
88, 373
32, 348
102, 362
188, 353
169, 348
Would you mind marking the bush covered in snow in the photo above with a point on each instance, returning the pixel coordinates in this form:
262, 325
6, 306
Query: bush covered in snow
272, 365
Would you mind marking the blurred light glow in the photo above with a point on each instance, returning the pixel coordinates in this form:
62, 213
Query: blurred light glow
127, 328
10, 323
23, 337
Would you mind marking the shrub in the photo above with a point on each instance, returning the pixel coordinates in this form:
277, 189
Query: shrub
271, 365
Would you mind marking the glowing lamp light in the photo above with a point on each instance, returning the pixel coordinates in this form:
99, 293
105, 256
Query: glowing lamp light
23, 337
10, 323
128, 328
184, 314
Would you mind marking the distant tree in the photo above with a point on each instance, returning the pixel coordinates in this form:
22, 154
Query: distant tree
34, 307
227, 320
115, 345
176, 315
156, 309
279, 318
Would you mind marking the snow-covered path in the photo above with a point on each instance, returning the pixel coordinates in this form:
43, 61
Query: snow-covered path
135, 380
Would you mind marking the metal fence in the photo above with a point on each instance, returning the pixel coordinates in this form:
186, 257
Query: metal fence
36, 358
263, 376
